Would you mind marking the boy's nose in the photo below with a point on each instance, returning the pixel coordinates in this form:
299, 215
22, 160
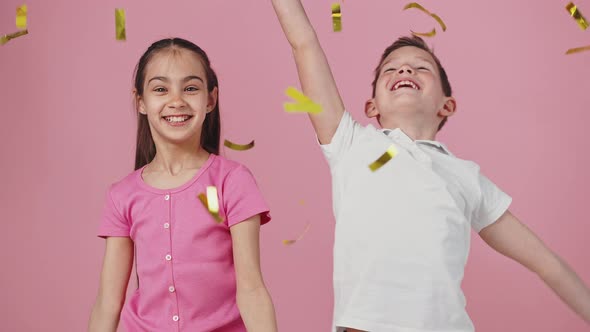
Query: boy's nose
405, 69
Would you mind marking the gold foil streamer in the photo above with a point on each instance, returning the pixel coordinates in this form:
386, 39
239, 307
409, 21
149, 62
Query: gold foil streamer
121, 33
577, 15
290, 242
4, 39
434, 16
238, 147
211, 202
336, 17
385, 157
578, 49
303, 103
21, 17
425, 34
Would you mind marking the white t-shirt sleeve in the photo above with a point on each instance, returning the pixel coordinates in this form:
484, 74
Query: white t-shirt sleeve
344, 137
493, 202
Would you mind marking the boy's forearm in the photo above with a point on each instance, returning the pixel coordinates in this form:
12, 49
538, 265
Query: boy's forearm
295, 23
569, 287
257, 310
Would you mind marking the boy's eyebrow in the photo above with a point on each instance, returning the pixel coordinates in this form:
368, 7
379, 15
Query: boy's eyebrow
186, 79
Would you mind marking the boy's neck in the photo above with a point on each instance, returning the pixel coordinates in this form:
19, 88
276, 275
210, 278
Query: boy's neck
416, 131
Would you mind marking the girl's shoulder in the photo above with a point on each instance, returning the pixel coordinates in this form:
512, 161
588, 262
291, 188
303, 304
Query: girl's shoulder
126, 185
226, 166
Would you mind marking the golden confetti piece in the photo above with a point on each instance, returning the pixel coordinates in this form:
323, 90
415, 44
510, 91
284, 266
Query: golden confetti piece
425, 34
21, 17
434, 16
211, 202
4, 39
440, 21
385, 157
290, 242
578, 49
121, 33
336, 17
238, 147
303, 103
575, 13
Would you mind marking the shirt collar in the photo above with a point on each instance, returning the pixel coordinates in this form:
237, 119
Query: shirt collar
399, 135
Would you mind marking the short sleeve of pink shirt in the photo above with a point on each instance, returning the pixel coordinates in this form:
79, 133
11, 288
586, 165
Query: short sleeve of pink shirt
242, 199
184, 257
113, 223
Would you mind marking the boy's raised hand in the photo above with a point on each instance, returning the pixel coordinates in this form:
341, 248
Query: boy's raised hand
314, 71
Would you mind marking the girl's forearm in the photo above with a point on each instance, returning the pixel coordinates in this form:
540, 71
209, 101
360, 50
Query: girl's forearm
257, 310
103, 319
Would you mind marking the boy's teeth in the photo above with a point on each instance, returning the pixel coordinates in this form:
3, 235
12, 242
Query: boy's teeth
406, 83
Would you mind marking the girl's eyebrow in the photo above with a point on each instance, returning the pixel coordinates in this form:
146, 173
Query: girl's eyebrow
166, 79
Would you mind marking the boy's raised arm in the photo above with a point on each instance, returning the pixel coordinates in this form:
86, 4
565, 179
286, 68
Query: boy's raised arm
314, 71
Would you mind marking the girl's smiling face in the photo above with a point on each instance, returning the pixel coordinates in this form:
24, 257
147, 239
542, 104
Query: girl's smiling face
175, 96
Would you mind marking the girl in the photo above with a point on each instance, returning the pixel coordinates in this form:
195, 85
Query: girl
194, 274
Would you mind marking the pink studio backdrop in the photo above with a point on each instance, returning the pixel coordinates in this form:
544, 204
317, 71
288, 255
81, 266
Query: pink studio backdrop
68, 132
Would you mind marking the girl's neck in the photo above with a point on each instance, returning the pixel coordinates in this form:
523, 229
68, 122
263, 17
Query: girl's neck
175, 160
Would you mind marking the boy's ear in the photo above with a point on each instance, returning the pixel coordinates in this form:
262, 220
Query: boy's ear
371, 109
449, 108
139, 105
212, 100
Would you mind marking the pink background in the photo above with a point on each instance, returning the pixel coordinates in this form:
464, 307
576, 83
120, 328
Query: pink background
68, 132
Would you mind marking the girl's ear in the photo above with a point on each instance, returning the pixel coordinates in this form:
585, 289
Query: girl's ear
139, 105
212, 100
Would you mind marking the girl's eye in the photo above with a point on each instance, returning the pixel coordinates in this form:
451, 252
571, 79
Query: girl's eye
159, 90
389, 69
422, 68
192, 88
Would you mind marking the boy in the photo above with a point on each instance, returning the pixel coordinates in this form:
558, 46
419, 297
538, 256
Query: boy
403, 230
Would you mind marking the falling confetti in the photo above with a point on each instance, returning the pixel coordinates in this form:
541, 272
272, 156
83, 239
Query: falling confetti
577, 15
238, 147
425, 34
4, 39
290, 242
121, 33
303, 103
211, 202
21, 17
436, 17
336, 17
385, 157
578, 49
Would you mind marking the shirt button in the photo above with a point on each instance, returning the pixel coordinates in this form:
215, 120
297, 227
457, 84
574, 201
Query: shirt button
168, 257
167, 197
175, 318
166, 225
171, 289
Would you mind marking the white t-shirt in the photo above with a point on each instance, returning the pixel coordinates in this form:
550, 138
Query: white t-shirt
403, 232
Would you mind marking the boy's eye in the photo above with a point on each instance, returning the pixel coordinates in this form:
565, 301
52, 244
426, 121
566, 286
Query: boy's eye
389, 69
422, 68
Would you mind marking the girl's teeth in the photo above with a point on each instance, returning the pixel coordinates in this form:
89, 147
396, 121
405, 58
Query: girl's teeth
177, 118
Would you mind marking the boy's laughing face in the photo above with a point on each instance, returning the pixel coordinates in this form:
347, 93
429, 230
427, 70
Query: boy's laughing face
409, 86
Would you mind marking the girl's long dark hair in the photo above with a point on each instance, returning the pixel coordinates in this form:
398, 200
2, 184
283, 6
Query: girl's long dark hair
145, 150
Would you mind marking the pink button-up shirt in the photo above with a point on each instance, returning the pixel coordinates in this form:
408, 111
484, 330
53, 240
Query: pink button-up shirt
183, 257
